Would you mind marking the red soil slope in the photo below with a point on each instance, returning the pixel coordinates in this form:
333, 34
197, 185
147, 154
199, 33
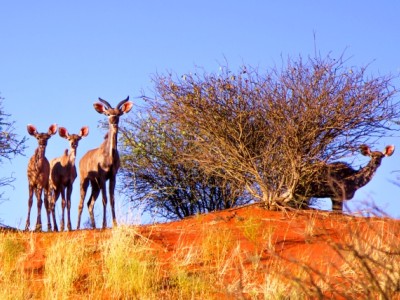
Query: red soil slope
307, 248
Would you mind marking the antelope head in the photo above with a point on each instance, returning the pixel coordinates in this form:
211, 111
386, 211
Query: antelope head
113, 114
73, 138
42, 138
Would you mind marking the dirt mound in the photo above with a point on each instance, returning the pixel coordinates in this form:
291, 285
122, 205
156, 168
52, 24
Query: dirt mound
247, 252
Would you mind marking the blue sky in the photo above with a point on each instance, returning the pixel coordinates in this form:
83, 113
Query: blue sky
58, 57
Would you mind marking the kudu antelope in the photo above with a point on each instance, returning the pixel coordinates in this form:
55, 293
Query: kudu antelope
101, 164
339, 181
38, 176
63, 174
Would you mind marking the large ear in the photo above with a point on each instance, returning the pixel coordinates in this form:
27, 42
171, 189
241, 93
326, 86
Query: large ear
84, 131
100, 108
126, 107
389, 150
52, 129
365, 150
63, 132
31, 129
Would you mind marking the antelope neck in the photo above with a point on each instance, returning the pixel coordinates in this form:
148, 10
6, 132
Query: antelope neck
365, 174
39, 157
40, 152
111, 143
72, 154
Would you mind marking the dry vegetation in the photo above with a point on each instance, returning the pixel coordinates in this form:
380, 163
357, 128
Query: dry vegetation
244, 253
203, 141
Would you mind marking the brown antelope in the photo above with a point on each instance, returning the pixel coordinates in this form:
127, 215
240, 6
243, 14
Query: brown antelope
102, 164
63, 174
38, 176
339, 181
